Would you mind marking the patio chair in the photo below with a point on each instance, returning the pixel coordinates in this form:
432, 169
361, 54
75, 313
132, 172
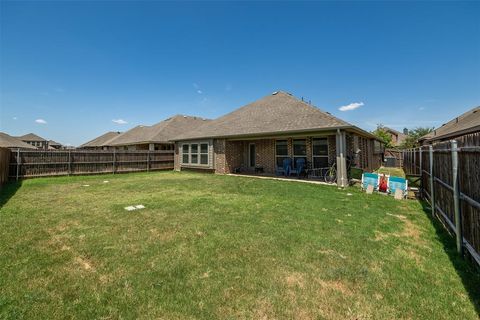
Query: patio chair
395, 183
300, 166
287, 166
370, 179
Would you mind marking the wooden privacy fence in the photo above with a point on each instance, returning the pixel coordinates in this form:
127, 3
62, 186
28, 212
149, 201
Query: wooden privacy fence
449, 175
39, 163
393, 158
4, 161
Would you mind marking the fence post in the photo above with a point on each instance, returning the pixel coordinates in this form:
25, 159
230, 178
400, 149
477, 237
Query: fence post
456, 197
148, 160
18, 162
432, 180
421, 171
414, 161
114, 159
69, 162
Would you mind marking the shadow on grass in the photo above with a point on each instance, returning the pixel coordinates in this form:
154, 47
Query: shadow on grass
468, 271
8, 190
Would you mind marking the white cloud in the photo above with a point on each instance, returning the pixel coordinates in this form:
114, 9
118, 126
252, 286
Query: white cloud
14, 118
199, 91
119, 121
41, 121
351, 106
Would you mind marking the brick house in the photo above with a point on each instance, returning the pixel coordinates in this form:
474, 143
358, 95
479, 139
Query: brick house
263, 133
34, 140
142, 137
396, 136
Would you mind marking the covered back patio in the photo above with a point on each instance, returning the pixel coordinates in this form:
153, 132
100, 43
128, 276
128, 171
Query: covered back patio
318, 151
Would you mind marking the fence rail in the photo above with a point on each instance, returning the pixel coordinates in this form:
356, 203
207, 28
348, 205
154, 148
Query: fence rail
41, 163
449, 175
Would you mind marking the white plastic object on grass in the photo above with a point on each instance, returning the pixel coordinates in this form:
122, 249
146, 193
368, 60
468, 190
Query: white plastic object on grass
106, 181
130, 208
140, 206
86, 185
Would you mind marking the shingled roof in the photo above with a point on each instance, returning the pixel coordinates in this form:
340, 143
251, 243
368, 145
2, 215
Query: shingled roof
54, 143
463, 124
31, 137
7, 141
279, 112
162, 132
101, 140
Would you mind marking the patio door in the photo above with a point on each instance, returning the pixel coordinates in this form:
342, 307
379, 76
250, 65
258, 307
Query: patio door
251, 155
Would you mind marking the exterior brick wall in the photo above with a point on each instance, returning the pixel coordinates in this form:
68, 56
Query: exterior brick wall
265, 157
234, 155
332, 149
229, 155
219, 148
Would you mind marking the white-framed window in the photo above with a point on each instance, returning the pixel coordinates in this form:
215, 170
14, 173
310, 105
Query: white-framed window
320, 152
281, 152
299, 150
195, 153
204, 153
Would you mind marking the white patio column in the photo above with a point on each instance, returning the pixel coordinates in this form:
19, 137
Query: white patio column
151, 147
341, 148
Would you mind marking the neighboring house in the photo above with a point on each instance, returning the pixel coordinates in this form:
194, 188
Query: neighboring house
465, 124
7, 141
157, 136
100, 143
34, 140
54, 145
262, 134
397, 137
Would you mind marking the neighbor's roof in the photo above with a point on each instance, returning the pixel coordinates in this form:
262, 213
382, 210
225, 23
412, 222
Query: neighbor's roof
7, 141
463, 124
161, 132
279, 112
101, 140
31, 137
54, 143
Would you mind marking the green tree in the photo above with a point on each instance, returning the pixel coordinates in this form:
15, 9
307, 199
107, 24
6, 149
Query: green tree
383, 135
411, 141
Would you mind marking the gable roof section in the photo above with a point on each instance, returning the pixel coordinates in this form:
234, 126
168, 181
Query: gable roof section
162, 132
54, 143
101, 140
466, 123
7, 141
31, 137
279, 112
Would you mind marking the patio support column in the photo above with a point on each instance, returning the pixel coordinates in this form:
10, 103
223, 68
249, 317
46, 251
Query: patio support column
341, 146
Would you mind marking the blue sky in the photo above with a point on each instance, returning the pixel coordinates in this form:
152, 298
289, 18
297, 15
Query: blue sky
80, 65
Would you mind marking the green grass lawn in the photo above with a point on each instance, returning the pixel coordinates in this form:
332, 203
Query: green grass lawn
211, 246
